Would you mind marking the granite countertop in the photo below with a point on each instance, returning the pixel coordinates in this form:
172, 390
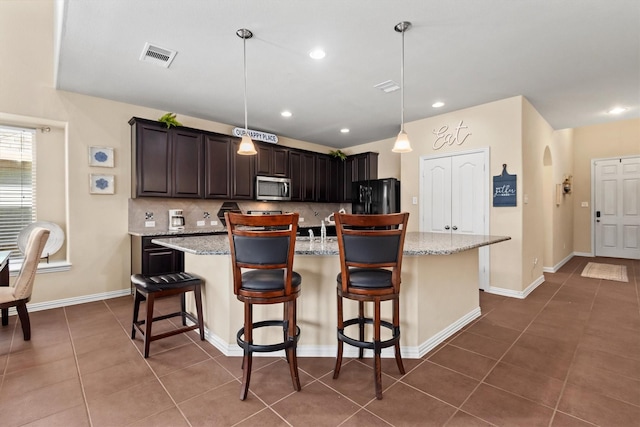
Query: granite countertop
416, 243
145, 232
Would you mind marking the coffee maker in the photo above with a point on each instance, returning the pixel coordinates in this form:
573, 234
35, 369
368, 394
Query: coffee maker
176, 220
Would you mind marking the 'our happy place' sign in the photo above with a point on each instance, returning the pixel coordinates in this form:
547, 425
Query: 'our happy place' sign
504, 189
257, 135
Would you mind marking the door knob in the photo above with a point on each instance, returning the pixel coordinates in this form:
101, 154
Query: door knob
446, 227
454, 227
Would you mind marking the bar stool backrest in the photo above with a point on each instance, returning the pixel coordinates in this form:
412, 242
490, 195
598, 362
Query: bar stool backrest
262, 242
371, 241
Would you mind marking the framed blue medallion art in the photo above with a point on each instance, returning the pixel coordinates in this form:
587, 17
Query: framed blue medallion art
101, 184
101, 157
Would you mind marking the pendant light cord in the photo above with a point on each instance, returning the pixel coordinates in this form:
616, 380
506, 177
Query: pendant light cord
402, 83
244, 48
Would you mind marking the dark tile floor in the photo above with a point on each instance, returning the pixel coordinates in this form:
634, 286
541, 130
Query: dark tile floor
568, 355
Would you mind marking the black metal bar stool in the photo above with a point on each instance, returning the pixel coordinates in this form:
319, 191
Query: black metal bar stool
263, 246
370, 262
151, 287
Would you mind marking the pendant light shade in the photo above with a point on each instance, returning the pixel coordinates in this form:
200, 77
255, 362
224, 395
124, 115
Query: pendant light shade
402, 144
246, 144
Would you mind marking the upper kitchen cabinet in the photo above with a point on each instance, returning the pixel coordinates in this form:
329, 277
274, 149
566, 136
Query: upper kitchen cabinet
217, 158
272, 160
168, 162
358, 167
243, 173
327, 179
302, 171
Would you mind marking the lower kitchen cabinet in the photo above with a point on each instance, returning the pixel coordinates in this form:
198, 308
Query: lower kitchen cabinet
150, 259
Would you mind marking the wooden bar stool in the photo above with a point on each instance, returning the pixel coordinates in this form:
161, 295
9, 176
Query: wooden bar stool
151, 287
370, 263
262, 248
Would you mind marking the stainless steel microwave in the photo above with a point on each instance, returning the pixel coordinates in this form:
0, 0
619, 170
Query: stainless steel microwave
271, 188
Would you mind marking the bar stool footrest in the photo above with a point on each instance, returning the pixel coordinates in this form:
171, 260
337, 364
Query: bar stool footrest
371, 345
139, 323
266, 348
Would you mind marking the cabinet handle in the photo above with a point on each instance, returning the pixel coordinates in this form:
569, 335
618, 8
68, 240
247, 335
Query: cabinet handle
446, 227
454, 227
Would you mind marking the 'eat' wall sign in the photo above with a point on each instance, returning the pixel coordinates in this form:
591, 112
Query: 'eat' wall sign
446, 137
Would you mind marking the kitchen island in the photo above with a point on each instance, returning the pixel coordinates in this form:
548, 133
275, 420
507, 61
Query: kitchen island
439, 294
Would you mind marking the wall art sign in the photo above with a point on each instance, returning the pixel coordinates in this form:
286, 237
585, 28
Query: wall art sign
257, 135
504, 189
101, 157
101, 184
445, 136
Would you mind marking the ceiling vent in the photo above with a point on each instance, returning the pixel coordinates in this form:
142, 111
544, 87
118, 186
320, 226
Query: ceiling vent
157, 55
388, 86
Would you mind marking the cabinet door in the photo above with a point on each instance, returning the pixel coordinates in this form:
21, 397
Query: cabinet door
322, 178
308, 177
280, 162
295, 173
348, 178
217, 156
187, 156
264, 159
152, 161
243, 173
334, 180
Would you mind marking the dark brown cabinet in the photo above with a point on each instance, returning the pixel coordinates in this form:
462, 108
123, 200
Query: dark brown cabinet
358, 167
327, 179
302, 171
217, 156
272, 160
167, 162
242, 173
151, 259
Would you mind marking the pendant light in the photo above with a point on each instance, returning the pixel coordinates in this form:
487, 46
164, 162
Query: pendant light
402, 144
246, 144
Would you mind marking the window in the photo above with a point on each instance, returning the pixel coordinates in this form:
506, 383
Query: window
17, 185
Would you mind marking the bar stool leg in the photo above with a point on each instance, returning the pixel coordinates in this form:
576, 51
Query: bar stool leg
361, 327
336, 369
396, 327
248, 354
136, 309
198, 298
291, 351
148, 322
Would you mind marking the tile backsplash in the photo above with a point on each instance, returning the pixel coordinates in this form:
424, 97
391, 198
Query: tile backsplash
156, 209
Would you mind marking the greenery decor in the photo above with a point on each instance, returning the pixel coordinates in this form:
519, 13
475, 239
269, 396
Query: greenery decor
170, 120
339, 154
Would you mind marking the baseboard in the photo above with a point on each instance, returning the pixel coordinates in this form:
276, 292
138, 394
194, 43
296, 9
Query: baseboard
38, 306
584, 254
409, 352
516, 294
559, 265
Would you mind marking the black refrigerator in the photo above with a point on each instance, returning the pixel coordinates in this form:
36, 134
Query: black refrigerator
376, 196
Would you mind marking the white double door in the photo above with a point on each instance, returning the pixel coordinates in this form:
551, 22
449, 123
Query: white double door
454, 192
617, 207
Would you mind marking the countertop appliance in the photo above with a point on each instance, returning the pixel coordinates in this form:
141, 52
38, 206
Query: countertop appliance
272, 188
376, 196
176, 220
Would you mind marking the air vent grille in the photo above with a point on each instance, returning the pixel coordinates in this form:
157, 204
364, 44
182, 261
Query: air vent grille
157, 55
388, 86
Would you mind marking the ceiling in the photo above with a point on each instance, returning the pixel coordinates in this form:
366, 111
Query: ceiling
572, 59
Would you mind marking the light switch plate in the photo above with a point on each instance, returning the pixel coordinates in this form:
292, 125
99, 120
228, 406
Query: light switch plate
200, 223
149, 223
584, 204
214, 222
300, 219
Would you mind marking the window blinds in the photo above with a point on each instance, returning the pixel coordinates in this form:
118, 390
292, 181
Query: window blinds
17, 185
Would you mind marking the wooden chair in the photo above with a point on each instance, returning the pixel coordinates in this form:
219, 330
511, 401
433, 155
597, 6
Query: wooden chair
19, 294
262, 248
151, 287
370, 264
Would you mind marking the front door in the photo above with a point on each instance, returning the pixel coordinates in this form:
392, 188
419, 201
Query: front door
455, 198
617, 207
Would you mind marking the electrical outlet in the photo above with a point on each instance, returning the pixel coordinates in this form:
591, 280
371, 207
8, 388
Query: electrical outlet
214, 222
414, 200
148, 216
535, 261
206, 215
200, 223
584, 204
300, 219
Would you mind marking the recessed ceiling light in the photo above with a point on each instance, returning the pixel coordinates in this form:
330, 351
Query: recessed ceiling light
317, 53
344, 130
437, 104
286, 114
617, 110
